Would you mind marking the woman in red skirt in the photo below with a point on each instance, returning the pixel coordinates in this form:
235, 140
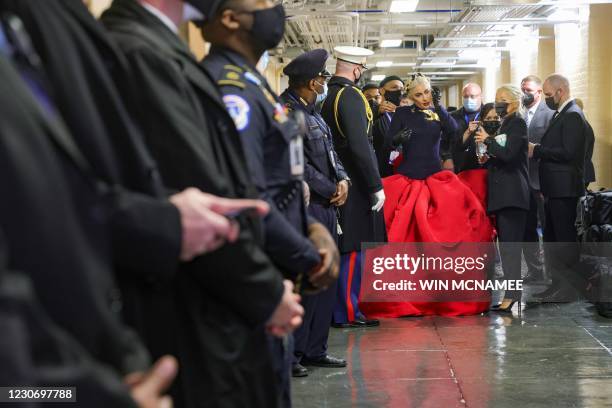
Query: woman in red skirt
427, 204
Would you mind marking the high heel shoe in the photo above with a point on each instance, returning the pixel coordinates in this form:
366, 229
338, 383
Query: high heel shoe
507, 309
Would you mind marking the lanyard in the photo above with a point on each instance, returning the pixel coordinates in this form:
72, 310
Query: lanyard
467, 119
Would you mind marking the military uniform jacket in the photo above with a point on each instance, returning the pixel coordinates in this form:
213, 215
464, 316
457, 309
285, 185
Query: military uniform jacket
323, 169
350, 120
266, 132
223, 297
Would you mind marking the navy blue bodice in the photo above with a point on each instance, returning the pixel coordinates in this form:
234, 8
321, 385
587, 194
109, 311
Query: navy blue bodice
422, 152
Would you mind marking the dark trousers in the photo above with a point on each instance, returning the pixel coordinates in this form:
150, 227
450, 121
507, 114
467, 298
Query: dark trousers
281, 352
311, 336
510, 231
561, 249
531, 239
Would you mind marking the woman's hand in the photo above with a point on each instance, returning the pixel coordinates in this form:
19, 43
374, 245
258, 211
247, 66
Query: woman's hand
481, 135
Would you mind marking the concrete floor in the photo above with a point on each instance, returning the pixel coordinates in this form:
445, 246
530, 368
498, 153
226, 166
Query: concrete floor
554, 355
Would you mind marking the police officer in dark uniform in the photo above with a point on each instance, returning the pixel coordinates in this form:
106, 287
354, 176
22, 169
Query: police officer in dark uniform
240, 32
349, 116
329, 187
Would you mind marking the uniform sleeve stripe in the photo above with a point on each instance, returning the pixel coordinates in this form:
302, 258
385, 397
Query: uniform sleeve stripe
232, 83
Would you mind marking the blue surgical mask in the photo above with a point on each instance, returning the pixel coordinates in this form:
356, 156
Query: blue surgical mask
321, 96
470, 105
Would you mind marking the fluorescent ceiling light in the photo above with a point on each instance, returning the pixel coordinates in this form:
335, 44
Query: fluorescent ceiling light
403, 6
562, 15
383, 64
445, 73
436, 64
377, 78
390, 43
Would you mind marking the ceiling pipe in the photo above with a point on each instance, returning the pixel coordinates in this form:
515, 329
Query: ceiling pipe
539, 21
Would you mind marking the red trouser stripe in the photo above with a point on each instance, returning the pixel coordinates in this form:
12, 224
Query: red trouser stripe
349, 302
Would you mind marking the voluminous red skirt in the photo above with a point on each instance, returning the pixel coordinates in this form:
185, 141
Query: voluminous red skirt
442, 208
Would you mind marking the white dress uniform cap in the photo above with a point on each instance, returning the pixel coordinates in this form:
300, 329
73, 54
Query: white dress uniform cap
354, 55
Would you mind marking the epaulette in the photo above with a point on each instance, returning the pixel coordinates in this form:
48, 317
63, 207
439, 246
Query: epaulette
232, 76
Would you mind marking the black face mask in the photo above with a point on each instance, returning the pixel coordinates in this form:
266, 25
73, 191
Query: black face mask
373, 105
269, 26
550, 102
394, 97
491, 126
501, 108
528, 99
358, 78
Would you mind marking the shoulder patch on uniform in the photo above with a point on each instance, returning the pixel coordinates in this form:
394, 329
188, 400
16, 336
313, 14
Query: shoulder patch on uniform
238, 109
230, 82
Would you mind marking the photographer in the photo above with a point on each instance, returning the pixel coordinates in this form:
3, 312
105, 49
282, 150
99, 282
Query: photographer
508, 184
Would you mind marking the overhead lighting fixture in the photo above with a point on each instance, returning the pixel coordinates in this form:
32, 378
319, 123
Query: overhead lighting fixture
436, 64
377, 78
562, 15
383, 64
390, 43
403, 6
445, 73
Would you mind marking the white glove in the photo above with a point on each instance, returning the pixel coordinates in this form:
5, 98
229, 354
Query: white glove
379, 200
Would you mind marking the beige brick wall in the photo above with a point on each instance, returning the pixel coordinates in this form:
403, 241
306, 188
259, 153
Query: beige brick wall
523, 56
598, 105
546, 52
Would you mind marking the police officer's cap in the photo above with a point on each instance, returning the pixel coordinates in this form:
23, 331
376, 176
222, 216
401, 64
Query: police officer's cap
354, 55
309, 65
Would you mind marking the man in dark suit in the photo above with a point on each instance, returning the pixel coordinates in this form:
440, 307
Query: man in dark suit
224, 299
391, 90
589, 169
561, 156
453, 154
69, 334
349, 117
538, 117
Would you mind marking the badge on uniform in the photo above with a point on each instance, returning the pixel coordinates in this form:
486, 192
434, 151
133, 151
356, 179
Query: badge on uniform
238, 109
280, 113
296, 156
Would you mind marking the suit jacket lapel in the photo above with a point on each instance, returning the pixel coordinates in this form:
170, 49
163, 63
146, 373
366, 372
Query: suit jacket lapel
557, 118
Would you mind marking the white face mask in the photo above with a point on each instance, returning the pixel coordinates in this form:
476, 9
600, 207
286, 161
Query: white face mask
190, 13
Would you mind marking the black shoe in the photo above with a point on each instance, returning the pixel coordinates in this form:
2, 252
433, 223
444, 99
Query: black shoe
299, 370
363, 322
537, 297
325, 361
561, 295
507, 309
